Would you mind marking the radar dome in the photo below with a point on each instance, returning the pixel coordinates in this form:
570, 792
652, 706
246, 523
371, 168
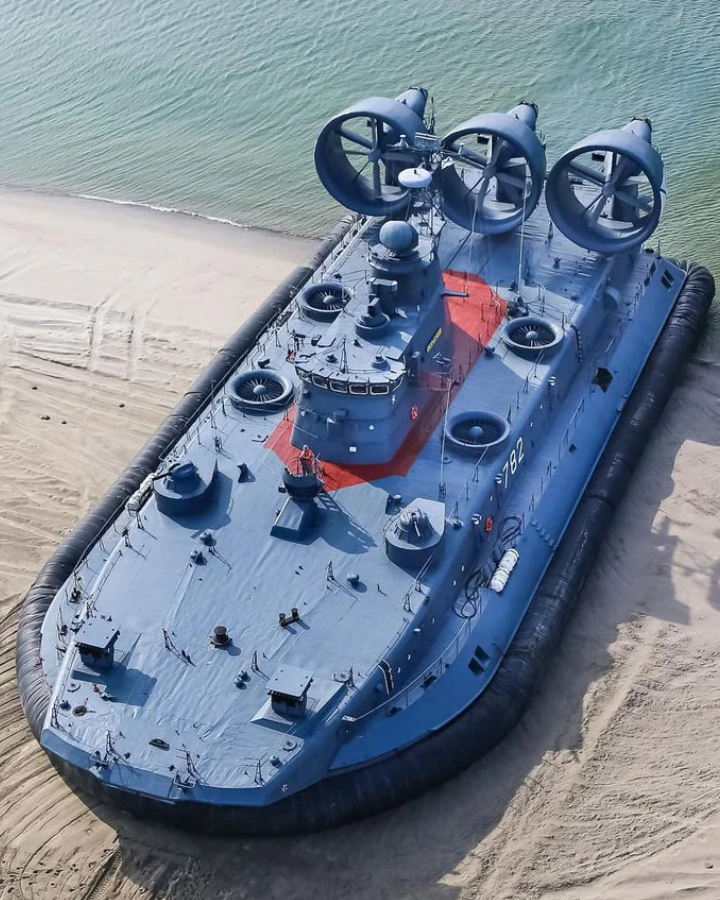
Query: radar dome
398, 237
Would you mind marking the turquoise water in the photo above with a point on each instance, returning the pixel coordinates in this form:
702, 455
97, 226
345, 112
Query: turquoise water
212, 107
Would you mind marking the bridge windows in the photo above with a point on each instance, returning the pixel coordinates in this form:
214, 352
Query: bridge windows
356, 383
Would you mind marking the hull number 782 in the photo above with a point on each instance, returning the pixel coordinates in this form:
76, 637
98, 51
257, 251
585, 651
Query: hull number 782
512, 463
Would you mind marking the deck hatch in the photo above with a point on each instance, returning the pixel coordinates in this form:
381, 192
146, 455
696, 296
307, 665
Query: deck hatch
96, 644
288, 691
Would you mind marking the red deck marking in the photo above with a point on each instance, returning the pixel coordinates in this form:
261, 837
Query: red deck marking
473, 321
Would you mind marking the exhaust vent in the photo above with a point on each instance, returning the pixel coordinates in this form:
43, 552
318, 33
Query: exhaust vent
324, 301
530, 336
477, 432
260, 391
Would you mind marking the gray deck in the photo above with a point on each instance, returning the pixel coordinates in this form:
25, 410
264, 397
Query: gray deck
170, 684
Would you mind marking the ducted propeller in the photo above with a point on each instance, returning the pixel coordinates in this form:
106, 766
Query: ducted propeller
492, 172
606, 193
360, 152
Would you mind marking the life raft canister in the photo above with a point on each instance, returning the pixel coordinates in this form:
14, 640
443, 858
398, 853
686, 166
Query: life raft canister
489, 524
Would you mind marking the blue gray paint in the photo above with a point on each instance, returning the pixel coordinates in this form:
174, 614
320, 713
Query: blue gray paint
237, 635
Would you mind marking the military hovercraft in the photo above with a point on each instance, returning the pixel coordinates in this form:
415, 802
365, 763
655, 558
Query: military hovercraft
334, 576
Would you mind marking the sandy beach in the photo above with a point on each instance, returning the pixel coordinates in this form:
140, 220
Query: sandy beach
607, 789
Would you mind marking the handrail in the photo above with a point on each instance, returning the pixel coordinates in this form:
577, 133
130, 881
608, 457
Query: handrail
421, 682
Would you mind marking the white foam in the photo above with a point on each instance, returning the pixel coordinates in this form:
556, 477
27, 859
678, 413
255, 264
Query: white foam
162, 209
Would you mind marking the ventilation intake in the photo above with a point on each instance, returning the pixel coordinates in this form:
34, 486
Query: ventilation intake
531, 336
324, 301
260, 391
477, 432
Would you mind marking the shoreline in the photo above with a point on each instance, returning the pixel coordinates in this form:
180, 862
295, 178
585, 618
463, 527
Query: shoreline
27, 190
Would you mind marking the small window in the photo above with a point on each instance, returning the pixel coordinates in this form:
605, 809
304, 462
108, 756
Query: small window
379, 388
303, 374
358, 389
338, 386
320, 381
603, 379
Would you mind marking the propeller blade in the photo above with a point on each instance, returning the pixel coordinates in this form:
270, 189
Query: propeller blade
597, 211
513, 180
595, 207
623, 169
586, 172
355, 138
361, 170
471, 156
636, 202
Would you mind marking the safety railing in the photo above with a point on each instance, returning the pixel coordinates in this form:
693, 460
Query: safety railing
416, 688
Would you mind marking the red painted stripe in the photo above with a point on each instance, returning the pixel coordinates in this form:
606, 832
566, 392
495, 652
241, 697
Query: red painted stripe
473, 319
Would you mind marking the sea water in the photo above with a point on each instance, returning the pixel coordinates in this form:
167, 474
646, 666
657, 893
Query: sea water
212, 106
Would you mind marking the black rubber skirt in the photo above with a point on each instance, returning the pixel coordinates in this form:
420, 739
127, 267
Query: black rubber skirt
413, 770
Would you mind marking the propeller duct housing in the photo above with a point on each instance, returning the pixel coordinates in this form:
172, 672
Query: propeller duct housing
361, 151
606, 193
492, 175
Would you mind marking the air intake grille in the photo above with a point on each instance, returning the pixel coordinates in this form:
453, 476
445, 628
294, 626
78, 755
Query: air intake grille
530, 336
476, 432
324, 301
260, 391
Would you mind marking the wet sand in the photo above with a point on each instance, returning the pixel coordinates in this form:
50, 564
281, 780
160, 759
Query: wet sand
608, 789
